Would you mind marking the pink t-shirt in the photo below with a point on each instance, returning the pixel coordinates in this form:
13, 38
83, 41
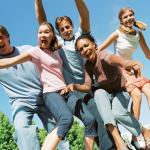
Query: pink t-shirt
49, 68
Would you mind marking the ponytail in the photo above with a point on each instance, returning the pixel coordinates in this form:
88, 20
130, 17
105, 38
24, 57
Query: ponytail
138, 24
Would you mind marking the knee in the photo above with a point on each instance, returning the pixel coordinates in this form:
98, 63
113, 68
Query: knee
66, 119
22, 131
137, 97
91, 121
99, 94
118, 114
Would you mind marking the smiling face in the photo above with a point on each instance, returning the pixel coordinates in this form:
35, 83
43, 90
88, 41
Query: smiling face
87, 49
127, 19
66, 30
5, 47
45, 36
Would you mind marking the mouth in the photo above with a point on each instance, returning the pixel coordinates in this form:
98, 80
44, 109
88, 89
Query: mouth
2, 45
88, 54
43, 42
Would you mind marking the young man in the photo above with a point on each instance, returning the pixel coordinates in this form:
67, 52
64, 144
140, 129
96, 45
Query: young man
22, 85
73, 63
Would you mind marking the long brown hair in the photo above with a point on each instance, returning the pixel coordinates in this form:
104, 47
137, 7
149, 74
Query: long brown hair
138, 24
54, 45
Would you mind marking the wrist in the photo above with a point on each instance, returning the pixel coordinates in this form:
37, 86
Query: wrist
124, 65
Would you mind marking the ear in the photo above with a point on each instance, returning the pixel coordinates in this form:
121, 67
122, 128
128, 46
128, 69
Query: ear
121, 21
72, 26
93, 44
7, 36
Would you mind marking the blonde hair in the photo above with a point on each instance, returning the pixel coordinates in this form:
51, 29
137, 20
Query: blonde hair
54, 45
138, 24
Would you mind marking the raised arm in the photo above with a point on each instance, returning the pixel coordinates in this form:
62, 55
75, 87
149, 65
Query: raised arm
9, 62
144, 46
84, 15
39, 10
112, 38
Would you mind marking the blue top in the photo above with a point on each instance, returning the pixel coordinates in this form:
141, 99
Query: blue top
73, 62
21, 82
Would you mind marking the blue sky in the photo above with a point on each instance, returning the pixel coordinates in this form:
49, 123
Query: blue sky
18, 16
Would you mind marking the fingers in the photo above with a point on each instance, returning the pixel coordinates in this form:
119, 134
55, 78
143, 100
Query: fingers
141, 65
67, 89
137, 71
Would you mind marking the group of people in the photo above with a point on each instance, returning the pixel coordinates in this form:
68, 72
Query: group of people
54, 81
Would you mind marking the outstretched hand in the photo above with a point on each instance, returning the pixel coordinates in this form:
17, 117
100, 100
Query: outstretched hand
132, 67
70, 87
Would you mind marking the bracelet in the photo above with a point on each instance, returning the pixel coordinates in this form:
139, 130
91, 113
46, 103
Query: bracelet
125, 63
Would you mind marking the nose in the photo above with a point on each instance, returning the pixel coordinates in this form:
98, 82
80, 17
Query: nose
65, 30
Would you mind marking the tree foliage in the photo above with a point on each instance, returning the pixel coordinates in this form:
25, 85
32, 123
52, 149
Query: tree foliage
6, 131
75, 135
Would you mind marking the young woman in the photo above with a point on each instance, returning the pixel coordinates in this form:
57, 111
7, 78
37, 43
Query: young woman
111, 97
126, 41
63, 107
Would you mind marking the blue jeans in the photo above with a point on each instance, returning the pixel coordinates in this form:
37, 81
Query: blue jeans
104, 140
63, 107
25, 134
113, 107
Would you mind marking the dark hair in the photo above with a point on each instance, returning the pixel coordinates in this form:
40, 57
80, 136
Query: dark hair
60, 19
54, 46
4, 31
85, 36
138, 24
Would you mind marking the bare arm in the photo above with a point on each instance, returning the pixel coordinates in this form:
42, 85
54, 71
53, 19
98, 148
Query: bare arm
144, 46
112, 38
72, 87
84, 15
9, 62
39, 10
129, 65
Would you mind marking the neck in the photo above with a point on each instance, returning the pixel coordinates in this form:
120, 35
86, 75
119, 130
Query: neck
6, 52
94, 60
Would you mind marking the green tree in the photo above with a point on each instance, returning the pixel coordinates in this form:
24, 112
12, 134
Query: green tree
75, 135
6, 131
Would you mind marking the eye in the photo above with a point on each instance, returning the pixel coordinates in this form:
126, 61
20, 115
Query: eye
62, 30
1, 37
80, 50
86, 45
67, 27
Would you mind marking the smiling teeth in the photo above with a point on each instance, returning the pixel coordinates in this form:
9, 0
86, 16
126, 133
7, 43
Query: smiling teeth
2, 45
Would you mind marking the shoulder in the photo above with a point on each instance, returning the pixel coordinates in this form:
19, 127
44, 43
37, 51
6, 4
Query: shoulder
60, 39
105, 56
115, 35
79, 32
23, 48
140, 33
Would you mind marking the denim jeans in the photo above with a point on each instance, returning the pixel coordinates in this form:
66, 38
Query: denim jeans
25, 134
113, 107
63, 107
104, 140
